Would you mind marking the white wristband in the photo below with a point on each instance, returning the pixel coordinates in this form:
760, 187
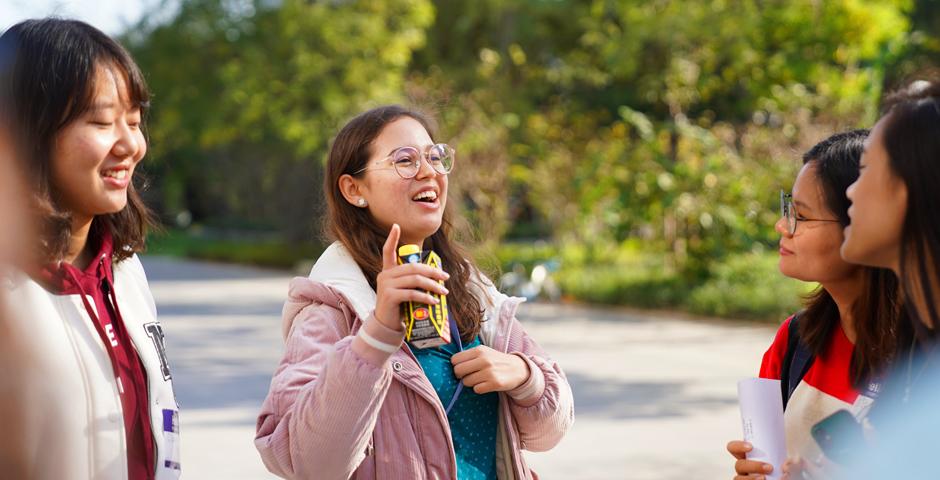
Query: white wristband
379, 345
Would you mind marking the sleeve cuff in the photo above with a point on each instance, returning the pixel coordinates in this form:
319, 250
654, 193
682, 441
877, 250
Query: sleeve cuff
531, 390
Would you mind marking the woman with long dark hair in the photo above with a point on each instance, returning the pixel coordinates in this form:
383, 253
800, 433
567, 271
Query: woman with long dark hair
78, 103
895, 217
895, 206
350, 397
832, 354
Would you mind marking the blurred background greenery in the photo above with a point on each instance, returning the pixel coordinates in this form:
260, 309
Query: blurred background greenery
637, 147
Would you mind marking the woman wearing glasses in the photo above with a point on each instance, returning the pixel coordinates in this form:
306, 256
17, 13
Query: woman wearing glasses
350, 398
835, 350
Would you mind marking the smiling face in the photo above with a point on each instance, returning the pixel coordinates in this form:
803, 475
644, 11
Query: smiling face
879, 206
416, 204
95, 155
812, 253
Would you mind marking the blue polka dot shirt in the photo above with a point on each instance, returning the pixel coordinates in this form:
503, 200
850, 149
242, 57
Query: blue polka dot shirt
473, 419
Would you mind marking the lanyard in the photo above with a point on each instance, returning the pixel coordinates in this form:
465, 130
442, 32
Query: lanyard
455, 334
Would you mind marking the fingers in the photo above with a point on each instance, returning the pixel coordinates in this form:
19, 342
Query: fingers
743, 467
481, 382
739, 449
418, 282
417, 269
746, 467
485, 387
475, 369
467, 355
462, 369
417, 277
389, 256
402, 295
476, 378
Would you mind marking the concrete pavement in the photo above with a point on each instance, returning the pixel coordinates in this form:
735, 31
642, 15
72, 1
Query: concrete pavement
655, 396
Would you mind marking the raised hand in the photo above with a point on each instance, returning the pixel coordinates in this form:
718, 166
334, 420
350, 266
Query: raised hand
396, 284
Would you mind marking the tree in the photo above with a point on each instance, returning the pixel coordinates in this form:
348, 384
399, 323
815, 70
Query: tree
256, 91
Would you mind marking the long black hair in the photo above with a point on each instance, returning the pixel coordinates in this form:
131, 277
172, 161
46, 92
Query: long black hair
50, 82
877, 312
912, 141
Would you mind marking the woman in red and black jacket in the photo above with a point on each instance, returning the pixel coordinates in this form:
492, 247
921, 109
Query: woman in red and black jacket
831, 355
78, 101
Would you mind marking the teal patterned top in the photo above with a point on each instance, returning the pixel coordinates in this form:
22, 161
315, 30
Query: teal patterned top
473, 419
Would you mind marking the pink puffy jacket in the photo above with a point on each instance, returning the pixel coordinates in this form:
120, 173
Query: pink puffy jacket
339, 408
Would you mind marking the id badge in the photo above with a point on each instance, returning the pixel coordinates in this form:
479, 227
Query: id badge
171, 439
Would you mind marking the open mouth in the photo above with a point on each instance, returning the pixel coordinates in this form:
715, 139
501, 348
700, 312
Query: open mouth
120, 174
427, 196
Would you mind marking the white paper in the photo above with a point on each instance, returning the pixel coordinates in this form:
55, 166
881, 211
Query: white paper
762, 419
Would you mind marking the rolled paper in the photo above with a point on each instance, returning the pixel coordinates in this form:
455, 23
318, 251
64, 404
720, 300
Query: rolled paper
762, 420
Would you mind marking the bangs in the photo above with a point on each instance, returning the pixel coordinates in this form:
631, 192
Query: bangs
132, 90
112, 58
136, 87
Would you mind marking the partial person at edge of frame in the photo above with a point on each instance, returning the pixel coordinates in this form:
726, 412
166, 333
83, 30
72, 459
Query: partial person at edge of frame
896, 224
29, 409
81, 293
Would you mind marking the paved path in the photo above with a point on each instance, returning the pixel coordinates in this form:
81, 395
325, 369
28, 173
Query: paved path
654, 395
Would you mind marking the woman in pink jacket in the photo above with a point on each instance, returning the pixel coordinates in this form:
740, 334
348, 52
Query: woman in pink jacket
350, 397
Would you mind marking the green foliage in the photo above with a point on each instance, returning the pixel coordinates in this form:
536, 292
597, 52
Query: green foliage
679, 121
749, 285
640, 286
247, 95
265, 253
648, 138
672, 122
745, 285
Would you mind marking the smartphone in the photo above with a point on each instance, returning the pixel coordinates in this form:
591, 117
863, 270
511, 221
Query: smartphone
838, 436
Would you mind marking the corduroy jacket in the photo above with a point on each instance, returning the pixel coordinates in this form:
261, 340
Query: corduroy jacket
339, 408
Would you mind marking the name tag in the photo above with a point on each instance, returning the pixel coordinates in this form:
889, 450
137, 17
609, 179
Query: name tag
171, 439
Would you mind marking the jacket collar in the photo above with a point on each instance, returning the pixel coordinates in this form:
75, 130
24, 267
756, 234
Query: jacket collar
336, 269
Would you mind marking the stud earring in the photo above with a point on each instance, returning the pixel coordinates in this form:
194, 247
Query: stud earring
362, 202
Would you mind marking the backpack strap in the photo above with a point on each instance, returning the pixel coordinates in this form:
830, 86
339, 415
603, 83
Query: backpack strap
796, 362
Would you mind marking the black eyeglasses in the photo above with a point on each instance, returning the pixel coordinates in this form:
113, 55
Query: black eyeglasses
789, 213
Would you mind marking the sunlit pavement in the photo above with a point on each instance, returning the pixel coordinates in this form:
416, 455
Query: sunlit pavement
655, 396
